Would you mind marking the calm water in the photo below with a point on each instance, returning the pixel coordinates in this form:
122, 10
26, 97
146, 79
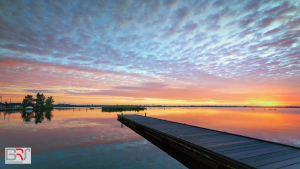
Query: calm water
80, 138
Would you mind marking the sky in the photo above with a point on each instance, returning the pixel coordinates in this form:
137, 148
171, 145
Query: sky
163, 52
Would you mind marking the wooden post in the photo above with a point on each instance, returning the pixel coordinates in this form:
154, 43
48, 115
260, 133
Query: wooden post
145, 114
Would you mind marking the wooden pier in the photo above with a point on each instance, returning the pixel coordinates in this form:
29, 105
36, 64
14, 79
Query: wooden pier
197, 147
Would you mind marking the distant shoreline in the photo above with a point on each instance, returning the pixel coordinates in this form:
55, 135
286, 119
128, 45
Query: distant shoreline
273, 107
86, 106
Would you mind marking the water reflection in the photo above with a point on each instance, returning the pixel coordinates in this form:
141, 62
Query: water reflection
78, 138
37, 115
280, 125
28, 111
28, 115
75, 133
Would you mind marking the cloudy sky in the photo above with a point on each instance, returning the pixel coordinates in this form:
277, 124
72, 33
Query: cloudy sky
216, 52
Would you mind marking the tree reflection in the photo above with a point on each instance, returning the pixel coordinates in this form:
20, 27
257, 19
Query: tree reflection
37, 115
48, 114
27, 116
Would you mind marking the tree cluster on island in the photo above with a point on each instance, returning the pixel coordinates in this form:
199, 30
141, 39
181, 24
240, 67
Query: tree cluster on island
39, 102
122, 108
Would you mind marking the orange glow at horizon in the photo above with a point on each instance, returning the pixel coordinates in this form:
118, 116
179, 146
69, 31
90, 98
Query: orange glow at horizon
72, 86
108, 100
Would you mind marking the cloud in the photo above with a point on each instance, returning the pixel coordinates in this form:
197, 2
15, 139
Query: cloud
149, 90
251, 5
266, 21
294, 24
273, 31
288, 43
144, 86
219, 3
190, 27
39, 91
79, 58
189, 42
181, 14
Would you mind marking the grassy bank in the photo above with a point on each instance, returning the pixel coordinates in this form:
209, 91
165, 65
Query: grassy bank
122, 108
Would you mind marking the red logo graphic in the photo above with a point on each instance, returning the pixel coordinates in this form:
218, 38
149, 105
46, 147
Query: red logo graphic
20, 154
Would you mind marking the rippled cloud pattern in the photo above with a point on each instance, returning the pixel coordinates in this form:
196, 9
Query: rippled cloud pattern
172, 44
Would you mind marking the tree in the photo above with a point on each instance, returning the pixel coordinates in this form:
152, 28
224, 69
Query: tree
40, 100
49, 102
27, 101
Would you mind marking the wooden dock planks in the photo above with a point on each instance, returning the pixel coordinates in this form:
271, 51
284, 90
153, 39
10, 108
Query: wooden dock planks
226, 150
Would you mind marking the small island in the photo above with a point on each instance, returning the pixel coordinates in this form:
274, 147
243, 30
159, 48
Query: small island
29, 103
122, 108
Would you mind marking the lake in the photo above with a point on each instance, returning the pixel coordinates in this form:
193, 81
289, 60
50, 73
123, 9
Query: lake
85, 138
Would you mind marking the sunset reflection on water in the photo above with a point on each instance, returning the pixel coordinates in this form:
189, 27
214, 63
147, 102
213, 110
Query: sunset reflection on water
67, 128
280, 125
81, 136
